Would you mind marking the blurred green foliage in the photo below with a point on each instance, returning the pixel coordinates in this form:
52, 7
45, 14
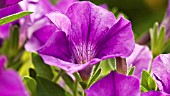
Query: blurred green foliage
142, 13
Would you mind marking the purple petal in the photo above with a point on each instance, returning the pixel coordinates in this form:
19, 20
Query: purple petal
57, 46
4, 31
65, 65
6, 3
166, 21
104, 6
12, 86
61, 21
154, 93
62, 5
119, 40
115, 84
161, 69
39, 38
140, 58
10, 10
89, 26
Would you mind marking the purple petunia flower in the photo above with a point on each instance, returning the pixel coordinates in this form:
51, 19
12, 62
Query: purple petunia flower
88, 34
166, 21
6, 3
140, 58
11, 83
161, 70
116, 84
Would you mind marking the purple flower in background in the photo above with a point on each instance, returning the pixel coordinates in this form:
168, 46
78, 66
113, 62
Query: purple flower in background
140, 58
37, 29
88, 34
154, 93
115, 84
166, 21
40, 37
11, 83
62, 5
161, 71
6, 3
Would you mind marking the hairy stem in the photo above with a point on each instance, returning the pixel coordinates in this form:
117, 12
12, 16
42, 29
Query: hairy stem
121, 65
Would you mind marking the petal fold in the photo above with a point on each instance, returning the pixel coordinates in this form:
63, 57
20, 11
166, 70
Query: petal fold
57, 46
161, 70
140, 58
119, 41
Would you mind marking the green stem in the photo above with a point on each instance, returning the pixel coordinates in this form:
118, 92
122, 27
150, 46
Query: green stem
76, 89
56, 78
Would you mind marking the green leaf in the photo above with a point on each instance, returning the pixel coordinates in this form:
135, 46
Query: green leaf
105, 67
69, 81
83, 84
131, 71
77, 76
41, 68
112, 63
143, 89
161, 37
13, 17
94, 77
67, 94
147, 81
13, 41
31, 85
48, 88
96, 67
154, 35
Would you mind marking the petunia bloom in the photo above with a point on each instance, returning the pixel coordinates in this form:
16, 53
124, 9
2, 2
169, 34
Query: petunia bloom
6, 3
11, 84
115, 84
140, 58
161, 70
88, 34
166, 21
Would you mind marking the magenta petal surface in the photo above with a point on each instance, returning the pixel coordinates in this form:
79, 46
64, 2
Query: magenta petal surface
119, 40
12, 86
61, 21
57, 46
166, 21
6, 3
161, 69
140, 58
39, 38
154, 93
115, 84
62, 5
